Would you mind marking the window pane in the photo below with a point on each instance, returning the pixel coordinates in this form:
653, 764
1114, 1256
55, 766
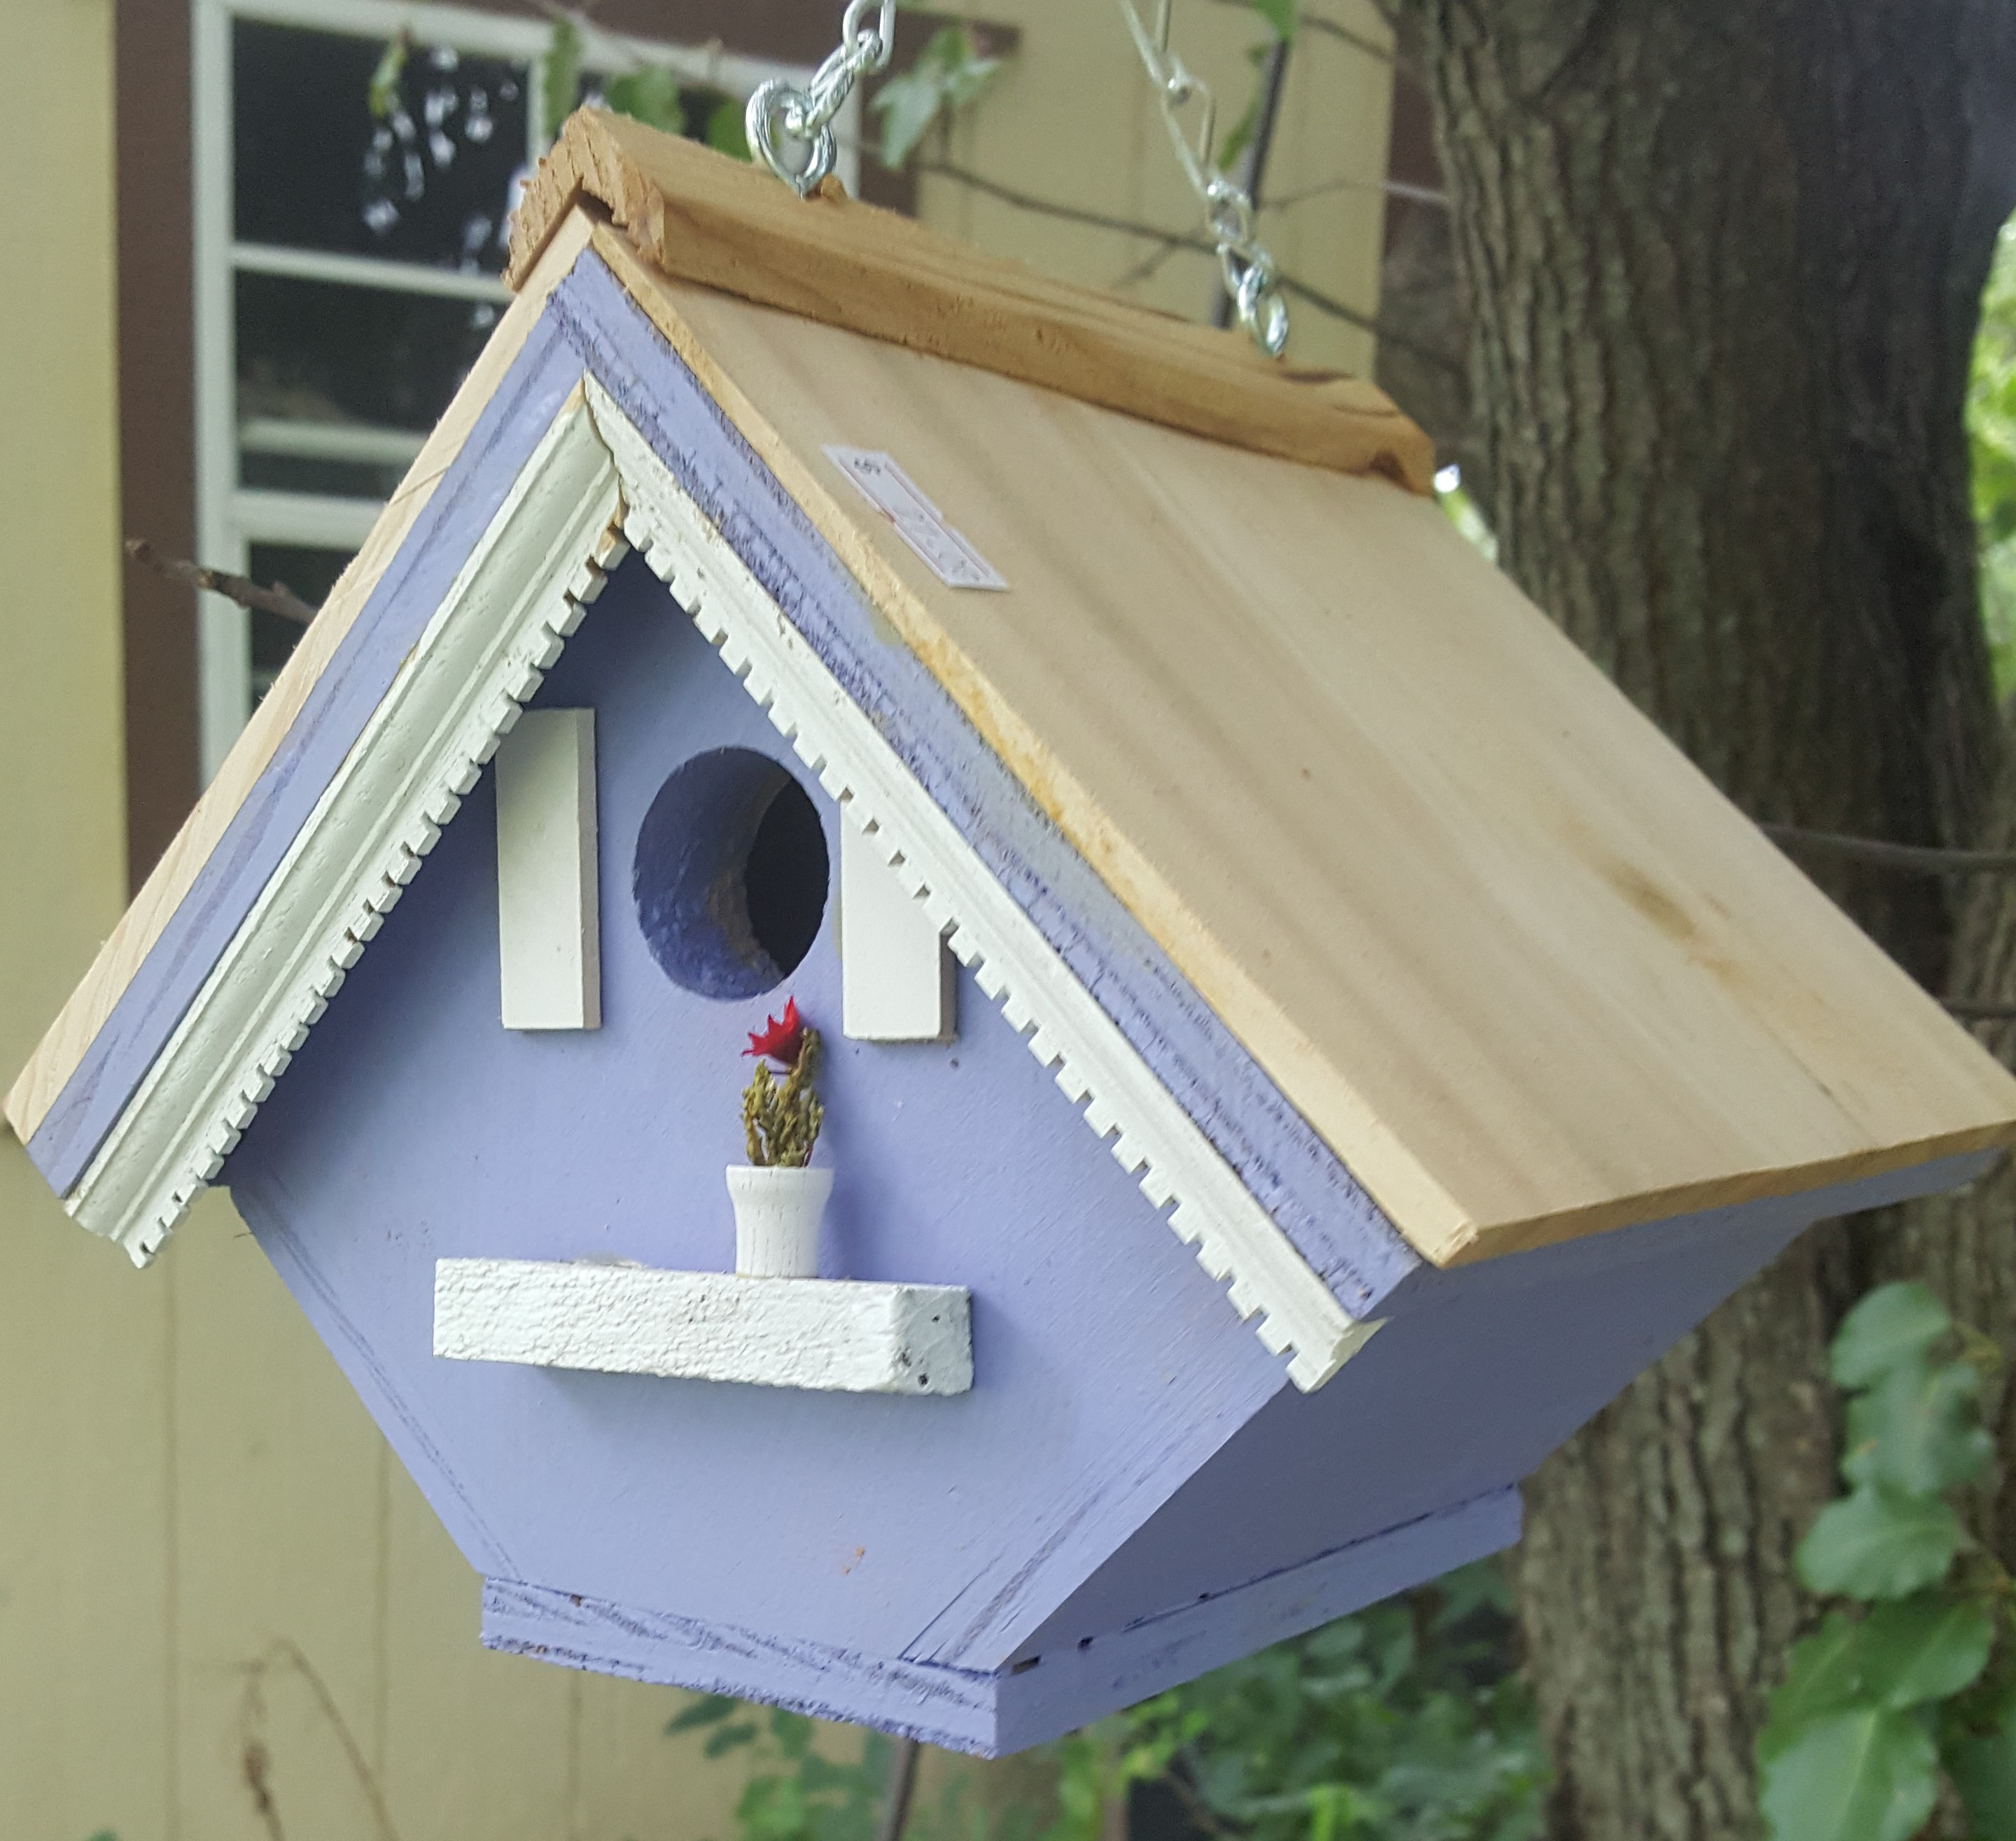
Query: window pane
309, 574
316, 352
429, 182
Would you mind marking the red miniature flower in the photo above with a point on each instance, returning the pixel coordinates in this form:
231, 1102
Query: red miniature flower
782, 1040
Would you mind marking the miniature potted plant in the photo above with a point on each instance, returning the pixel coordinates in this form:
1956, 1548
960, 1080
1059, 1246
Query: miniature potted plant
778, 1199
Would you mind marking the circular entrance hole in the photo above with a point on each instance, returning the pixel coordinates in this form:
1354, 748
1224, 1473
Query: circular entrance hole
730, 874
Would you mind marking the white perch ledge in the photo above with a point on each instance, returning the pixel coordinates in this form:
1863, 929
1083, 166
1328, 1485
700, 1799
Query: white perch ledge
839, 1335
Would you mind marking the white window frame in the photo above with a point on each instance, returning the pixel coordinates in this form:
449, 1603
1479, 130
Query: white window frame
231, 518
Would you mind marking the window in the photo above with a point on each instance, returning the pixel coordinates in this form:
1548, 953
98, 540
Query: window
348, 270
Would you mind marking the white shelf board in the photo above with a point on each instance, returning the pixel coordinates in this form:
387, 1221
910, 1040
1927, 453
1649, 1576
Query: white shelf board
838, 1336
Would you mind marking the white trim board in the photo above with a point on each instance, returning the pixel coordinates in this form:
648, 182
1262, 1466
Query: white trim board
483, 653
1180, 1171
832, 1335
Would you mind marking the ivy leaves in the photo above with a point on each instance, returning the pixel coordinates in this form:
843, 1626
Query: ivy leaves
949, 74
1878, 1701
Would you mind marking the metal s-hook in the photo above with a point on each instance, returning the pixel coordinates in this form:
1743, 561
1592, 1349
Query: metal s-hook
789, 129
1249, 273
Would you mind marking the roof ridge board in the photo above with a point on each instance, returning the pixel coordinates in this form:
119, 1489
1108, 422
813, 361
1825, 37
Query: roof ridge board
699, 215
1063, 1025
485, 651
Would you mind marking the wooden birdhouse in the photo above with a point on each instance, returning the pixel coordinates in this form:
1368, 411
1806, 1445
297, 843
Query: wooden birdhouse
1295, 1040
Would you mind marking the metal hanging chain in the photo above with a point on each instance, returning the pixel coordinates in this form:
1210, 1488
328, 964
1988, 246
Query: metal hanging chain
1251, 277
790, 129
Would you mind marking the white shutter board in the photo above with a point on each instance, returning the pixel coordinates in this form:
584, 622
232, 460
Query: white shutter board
549, 929
897, 977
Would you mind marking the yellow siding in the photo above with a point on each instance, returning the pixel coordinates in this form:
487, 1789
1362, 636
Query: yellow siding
1071, 120
206, 1552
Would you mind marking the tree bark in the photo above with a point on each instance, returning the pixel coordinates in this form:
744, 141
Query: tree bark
1721, 262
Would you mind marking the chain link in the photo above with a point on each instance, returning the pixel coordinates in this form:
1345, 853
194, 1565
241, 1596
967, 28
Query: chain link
1248, 271
789, 129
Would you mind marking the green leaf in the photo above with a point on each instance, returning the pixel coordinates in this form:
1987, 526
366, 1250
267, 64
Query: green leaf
1895, 1323
704, 1712
1877, 1544
1928, 1647
725, 130
1280, 15
1870, 1774
384, 94
561, 88
1918, 1429
1981, 1760
1824, 1677
949, 73
649, 94
724, 1739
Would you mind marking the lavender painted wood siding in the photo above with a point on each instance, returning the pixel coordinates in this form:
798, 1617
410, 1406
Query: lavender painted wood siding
411, 1126
1478, 1374
1011, 1709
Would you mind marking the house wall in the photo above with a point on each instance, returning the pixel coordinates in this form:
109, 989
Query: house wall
207, 1556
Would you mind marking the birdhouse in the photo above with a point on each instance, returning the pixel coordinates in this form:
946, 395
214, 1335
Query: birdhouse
1293, 1040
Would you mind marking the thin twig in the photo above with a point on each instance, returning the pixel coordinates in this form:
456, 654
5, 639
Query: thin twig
278, 599
1177, 240
1392, 188
1921, 859
1140, 271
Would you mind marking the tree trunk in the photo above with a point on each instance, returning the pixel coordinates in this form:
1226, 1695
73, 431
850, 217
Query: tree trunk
1721, 262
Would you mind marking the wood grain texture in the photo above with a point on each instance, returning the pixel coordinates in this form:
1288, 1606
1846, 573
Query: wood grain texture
1522, 968
833, 1335
36, 1087
700, 216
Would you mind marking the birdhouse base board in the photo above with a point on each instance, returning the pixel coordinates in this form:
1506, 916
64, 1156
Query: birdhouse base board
836, 1335
1031, 1700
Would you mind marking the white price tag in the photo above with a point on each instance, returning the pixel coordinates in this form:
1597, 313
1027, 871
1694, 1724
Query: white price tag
920, 523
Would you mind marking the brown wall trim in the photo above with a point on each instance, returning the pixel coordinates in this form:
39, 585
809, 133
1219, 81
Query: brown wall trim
157, 416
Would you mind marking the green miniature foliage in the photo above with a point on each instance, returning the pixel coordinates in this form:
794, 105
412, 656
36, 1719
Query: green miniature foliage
1979, 1748
949, 75
1878, 1543
781, 1124
1893, 1324
1402, 1720
1925, 1648
560, 87
1867, 1774
649, 94
1991, 424
1913, 1676
383, 97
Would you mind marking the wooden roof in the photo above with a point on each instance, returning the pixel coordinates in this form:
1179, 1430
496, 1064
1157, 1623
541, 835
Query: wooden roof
1505, 949
694, 215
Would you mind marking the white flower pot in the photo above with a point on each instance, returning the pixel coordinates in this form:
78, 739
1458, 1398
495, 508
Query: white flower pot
777, 1214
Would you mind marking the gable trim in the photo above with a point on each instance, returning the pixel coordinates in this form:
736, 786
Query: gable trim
1152, 1137
485, 651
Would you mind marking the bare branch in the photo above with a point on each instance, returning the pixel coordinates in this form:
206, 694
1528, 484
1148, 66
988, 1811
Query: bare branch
1392, 188
1171, 240
278, 599
1919, 859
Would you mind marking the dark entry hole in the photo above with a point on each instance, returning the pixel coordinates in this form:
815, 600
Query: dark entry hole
730, 874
